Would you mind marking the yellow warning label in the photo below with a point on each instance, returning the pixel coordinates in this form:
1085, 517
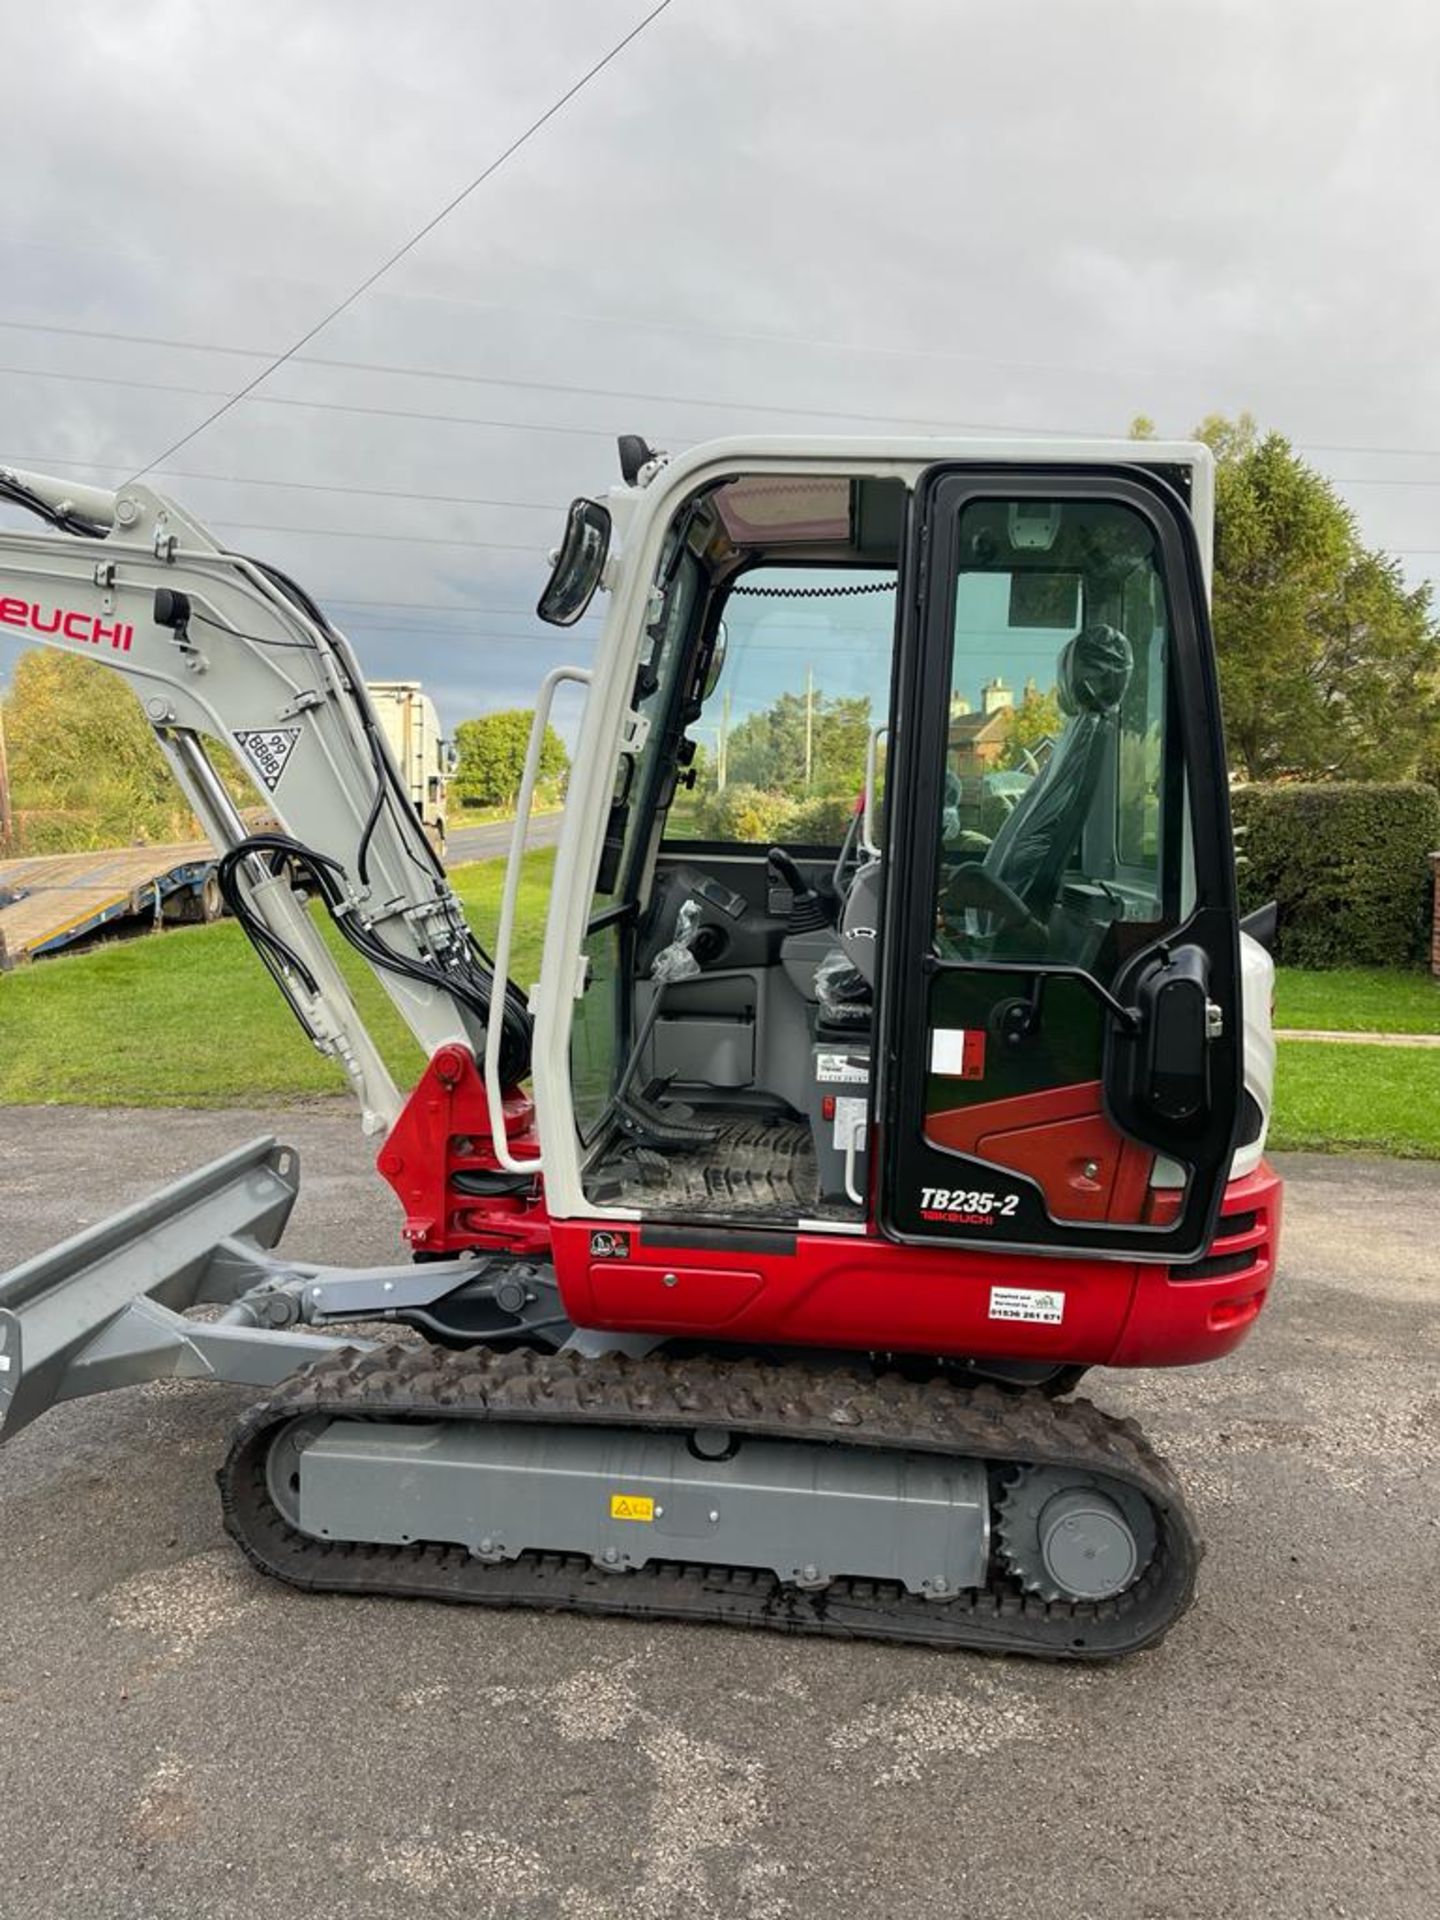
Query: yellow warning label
631, 1506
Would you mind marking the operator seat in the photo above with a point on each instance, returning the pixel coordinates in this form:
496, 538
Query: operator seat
1030, 852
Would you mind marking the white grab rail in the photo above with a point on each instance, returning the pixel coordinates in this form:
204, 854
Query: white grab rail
867, 816
504, 933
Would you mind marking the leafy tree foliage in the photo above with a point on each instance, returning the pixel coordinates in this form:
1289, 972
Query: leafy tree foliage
85, 768
491, 756
1038, 717
1328, 661
767, 749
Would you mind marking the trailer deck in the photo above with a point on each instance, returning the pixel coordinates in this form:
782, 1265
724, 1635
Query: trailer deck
49, 901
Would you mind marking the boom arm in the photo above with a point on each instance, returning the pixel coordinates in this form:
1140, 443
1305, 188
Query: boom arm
224, 648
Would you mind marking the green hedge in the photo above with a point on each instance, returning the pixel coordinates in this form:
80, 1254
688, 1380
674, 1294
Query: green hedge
1347, 863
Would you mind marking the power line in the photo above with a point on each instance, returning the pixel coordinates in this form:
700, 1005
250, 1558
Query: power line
1369, 480
440, 606
356, 533
486, 640
111, 380
133, 339
415, 238
662, 399
552, 507
648, 324
928, 422
581, 391
44, 461
1409, 453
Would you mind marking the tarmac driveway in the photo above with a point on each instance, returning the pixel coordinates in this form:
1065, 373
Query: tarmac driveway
179, 1738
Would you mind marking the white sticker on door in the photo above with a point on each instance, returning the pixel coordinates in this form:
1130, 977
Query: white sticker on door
1027, 1303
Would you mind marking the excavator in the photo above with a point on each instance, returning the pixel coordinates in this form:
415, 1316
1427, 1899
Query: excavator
898, 1054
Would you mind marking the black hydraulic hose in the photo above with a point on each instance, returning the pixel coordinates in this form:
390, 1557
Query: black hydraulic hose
471, 987
17, 495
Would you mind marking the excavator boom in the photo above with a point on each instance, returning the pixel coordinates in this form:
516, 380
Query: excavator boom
220, 648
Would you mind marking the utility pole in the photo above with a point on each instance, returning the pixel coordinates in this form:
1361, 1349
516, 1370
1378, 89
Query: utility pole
722, 744
809, 723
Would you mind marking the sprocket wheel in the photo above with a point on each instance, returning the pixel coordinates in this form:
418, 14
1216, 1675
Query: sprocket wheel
1073, 1536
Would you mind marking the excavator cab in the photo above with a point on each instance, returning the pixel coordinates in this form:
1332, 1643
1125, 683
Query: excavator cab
914, 913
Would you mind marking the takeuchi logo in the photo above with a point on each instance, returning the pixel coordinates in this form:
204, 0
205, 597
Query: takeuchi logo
68, 623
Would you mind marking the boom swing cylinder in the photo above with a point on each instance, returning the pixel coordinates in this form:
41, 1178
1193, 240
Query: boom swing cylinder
755, 1254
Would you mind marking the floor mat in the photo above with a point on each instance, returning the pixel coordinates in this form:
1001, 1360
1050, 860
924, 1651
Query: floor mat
757, 1169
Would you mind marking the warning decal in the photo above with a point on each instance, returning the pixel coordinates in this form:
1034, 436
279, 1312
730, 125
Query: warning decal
268, 752
632, 1506
1027, 1303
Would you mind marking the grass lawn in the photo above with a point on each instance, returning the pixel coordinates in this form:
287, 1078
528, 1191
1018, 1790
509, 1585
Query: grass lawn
1358, 1000
190, 1017
1333, 1098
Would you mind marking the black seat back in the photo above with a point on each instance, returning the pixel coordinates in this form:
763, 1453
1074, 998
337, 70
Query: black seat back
1035, 843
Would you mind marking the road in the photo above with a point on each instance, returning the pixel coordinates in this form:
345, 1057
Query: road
493, 841
179, 1738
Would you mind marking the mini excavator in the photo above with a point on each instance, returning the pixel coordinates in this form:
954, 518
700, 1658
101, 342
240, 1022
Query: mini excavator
898, 1053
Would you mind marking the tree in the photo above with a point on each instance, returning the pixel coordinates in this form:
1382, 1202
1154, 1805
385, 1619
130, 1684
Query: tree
491, 757
85, 767
1037, 718
768, 749
1328, 661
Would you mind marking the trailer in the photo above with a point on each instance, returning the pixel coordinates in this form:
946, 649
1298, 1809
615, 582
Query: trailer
52, 901
425, 758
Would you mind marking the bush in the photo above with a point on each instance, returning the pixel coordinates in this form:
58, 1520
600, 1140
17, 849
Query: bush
754, 814
822, 821
743, 813
1347, 864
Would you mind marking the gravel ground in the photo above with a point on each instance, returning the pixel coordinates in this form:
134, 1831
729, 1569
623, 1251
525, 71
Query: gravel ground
179, 1738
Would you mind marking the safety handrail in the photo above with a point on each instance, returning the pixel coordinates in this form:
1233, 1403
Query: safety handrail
867, 814
504, 932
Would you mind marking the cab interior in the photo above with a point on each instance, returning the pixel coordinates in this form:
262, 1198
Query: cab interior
721, 1048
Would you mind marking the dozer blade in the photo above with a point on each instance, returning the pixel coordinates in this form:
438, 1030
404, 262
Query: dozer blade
104, 1309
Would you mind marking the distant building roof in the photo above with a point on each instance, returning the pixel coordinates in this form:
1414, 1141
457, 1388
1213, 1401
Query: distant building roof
967, 728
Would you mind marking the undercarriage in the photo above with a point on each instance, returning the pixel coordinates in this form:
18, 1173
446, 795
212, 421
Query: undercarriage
494, 1456
723, 1491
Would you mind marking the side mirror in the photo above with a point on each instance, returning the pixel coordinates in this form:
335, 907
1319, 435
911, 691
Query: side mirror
575, 573
1173, 1057
715, 665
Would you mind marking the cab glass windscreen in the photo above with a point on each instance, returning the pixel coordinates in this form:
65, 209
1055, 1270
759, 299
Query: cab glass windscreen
578, 565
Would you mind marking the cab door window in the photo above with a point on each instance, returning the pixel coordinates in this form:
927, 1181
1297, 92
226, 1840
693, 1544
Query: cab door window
1056, 829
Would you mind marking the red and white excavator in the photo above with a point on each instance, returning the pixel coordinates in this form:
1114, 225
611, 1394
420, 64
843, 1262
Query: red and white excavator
755, 1251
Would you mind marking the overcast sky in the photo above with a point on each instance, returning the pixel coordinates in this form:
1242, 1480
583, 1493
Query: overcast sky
769, 215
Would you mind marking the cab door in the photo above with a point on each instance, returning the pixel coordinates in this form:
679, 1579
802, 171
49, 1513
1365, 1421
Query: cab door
1060, 1024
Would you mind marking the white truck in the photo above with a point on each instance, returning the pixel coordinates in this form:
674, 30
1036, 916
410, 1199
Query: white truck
426, 759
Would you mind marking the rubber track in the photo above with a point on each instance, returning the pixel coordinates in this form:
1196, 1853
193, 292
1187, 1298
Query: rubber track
788, 1402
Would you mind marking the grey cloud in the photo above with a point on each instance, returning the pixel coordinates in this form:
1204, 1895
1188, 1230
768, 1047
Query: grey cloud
770, 217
